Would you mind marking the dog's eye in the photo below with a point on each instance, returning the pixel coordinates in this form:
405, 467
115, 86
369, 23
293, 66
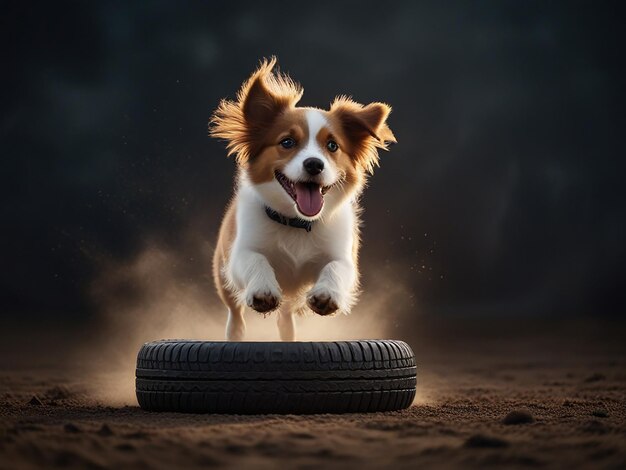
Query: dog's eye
288, 143
332, 146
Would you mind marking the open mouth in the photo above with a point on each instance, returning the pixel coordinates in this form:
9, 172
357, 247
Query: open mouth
308, 195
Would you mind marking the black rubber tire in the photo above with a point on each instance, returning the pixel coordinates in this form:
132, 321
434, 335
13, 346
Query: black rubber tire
275, 377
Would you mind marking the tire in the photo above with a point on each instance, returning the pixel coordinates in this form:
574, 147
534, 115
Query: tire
275, 377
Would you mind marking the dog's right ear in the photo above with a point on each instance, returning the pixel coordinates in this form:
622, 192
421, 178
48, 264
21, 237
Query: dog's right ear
265, 95
262, 98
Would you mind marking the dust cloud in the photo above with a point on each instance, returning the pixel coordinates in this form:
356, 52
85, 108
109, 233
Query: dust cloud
167, 292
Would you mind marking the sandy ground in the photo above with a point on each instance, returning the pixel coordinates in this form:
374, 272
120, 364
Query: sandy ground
571, 404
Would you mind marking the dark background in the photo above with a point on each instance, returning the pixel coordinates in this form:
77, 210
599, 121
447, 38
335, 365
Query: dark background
504, 194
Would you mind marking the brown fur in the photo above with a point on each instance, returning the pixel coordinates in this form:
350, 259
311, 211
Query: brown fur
365, 129
244, 122
271, 156
225, 240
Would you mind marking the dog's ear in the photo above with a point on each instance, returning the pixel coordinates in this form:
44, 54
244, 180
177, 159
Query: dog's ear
365, 127
263, 97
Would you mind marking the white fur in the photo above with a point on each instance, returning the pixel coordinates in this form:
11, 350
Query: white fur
294, 170
270, 259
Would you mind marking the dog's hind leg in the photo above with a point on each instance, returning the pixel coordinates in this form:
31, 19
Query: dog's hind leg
235, 325
286, 322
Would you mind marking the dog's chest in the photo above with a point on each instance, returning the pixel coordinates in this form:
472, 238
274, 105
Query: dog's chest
294, 247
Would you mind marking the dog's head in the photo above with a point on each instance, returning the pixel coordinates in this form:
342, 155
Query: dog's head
302, 162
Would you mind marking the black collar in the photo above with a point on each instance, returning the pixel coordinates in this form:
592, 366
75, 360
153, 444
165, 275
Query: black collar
291, 222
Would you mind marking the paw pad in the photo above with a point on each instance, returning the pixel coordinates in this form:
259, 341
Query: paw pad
322, 304
264, 303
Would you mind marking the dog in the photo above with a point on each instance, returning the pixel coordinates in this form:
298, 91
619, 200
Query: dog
289, 238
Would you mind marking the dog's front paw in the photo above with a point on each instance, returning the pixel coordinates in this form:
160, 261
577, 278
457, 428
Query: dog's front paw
263, 300
321, 301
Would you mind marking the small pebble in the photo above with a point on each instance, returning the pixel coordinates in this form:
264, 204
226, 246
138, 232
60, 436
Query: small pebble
105, 431
71, 428
482, 441
518, 417
595, 378
35, 401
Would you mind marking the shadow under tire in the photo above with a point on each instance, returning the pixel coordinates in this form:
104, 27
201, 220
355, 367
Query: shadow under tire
275, 377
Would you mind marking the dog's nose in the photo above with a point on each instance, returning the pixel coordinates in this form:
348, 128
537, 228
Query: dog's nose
313, 166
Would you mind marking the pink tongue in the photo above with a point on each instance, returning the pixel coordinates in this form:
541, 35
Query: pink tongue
309, 198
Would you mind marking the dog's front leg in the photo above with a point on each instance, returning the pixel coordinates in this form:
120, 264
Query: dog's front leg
252, 274
334, 289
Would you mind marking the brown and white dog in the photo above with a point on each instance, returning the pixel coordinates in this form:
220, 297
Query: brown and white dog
290, 236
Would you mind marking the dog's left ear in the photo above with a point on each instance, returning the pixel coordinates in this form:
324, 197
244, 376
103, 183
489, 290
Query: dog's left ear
366, 128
